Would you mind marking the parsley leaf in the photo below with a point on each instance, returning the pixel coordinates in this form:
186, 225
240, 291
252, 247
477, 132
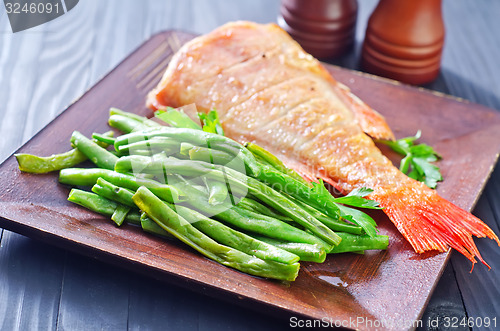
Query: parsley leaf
353, 199
211, 122
356, 199
359, 218
417, 160
320, 193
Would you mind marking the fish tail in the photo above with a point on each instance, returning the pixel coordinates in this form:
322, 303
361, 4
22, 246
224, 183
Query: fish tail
426, 220
433, 223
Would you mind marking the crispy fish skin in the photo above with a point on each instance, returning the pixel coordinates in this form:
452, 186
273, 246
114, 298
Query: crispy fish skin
267, 90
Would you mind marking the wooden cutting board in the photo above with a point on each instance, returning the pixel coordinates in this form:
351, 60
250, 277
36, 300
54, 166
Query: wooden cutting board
384, 289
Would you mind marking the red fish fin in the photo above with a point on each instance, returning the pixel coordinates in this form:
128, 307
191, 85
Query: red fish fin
433, 223
370, 120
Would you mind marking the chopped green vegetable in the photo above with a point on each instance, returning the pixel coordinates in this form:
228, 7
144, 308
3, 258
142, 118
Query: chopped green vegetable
143, 121
41, 164
101, 205
120, 214
175, 224
306, 252
98, 155
177, 118
417, 159
356, 199
211, 122
89, 177
263, 155
148, 225
353, 243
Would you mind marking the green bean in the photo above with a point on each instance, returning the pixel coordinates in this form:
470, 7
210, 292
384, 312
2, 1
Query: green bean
120, 214
153, 146
144, 121
277, 175
100, 205
286, 184
306, 252
210, 155
279, 181
255, 206
321, 200
196, 137
150, 226
170, 221
142, 152
280, 178
235, 239
98, 155
289, 208
103, 139
217, 192
258, 189
124, 196
249, 221
113, 192
39, 164
213, 229
177, 119
89, 177
139, 163
268, 226
124, 124
354, 243
334, 224
274, 162
185, 148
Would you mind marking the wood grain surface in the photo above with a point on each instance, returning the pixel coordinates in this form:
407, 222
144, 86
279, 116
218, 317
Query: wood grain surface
44, 69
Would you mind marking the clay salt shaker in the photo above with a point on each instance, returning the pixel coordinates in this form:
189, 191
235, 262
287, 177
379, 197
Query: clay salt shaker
404, 40
324, 28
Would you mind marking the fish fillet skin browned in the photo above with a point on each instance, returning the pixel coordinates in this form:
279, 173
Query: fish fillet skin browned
267, 90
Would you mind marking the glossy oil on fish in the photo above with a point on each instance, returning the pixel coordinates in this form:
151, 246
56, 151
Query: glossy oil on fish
267, 90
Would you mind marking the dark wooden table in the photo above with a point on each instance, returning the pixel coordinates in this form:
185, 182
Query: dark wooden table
44, 69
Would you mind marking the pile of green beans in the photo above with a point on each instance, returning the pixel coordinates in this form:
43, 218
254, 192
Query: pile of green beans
237, 205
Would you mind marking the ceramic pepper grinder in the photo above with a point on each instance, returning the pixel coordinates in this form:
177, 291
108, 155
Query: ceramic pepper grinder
324, 28
404, 40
